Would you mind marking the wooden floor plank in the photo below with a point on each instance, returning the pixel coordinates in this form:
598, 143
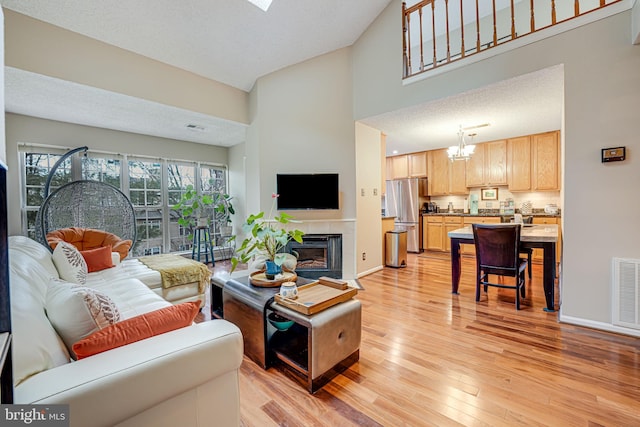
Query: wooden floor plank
428, 357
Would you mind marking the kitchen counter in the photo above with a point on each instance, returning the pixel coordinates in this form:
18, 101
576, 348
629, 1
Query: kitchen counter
490, 213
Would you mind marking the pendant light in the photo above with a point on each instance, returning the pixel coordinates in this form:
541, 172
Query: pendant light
462, 151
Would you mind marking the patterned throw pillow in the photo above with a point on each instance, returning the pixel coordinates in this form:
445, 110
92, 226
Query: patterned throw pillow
70, 264
76, 312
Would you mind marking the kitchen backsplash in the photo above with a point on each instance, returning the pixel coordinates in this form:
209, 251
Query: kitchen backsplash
538, 199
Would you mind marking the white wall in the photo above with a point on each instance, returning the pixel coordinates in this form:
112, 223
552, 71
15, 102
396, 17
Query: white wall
302, 122
31, 130
602, 88
368, 196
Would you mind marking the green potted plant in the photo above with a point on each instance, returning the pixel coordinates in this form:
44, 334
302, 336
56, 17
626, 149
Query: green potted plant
192, 208
223, 209
266, 237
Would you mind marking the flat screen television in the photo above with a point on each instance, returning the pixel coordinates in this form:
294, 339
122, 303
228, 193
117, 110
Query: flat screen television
308, 191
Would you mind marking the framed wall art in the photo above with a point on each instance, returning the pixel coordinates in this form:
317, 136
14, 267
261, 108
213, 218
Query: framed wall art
489, 194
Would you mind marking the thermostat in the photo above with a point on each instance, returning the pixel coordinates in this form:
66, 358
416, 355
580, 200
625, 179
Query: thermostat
615, 154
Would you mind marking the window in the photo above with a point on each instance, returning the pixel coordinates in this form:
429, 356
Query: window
180, 176
153, 186
145, 192
213, 182
36, 171
102, 169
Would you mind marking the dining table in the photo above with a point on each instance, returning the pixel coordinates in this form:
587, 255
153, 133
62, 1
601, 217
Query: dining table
543, 236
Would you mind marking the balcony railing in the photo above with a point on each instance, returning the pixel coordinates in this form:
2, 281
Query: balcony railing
438, 32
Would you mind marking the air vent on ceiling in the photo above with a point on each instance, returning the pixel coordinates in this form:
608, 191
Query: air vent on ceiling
196, 128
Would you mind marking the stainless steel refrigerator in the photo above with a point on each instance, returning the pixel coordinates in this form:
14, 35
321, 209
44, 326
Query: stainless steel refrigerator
403, 200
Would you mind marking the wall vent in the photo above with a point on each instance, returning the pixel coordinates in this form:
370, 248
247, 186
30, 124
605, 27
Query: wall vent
626, 292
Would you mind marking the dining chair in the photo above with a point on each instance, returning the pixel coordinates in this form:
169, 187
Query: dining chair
497, 253
527, 251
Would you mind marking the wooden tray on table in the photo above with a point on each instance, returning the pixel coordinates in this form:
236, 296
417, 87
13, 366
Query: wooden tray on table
317, 296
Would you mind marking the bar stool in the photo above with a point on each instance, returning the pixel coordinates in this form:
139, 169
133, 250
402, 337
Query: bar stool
201, 235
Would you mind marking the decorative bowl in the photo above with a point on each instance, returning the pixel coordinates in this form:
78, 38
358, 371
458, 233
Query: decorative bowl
279, 322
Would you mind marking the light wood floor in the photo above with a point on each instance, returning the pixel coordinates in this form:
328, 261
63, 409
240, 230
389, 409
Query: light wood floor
428, 357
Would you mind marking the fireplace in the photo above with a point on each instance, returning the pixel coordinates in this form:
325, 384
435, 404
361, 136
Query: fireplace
318, 255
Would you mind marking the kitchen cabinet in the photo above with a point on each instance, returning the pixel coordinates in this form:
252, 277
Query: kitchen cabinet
397, 167
417, 164
458, 182
445, 177
534, 162
450, 223
545, 153
475, 168
470, 250
439, 165
412, 165
496, 163
435, 231
519, 163
537, 256
488, 165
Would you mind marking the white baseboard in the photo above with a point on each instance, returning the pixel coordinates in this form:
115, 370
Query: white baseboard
366, 273
608, 327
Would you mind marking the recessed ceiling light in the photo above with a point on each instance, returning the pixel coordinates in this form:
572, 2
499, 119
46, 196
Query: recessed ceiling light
262, 4
395, 151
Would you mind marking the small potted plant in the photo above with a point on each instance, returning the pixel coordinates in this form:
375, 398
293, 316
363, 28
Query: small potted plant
266, 238
192, 208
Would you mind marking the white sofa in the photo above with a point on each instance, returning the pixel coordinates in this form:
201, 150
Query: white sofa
186, 377
132, 267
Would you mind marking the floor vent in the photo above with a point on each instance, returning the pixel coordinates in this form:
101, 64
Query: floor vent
626, 292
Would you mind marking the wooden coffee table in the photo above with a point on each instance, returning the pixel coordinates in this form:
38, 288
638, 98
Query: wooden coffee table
316, 348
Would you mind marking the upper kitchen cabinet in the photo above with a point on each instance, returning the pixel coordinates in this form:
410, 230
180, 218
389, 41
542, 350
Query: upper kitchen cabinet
458, 181
439, 165
475, 168
534, 162
412, 165
445, 177
488, 165
397, 167
417, 164
545, 153
519, 163
495, 162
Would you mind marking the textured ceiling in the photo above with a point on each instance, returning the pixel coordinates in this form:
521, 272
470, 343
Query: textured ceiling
523, 105
48, 98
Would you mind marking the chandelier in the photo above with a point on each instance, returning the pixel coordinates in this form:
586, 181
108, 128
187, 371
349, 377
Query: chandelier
462, 151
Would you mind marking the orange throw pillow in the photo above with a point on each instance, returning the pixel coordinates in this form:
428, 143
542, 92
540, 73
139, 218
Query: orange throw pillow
137, 328
98, 259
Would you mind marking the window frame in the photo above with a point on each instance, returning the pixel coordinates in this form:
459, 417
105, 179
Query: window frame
77, 173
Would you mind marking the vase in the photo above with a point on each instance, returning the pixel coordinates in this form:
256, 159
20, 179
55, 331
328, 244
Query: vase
271, 269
